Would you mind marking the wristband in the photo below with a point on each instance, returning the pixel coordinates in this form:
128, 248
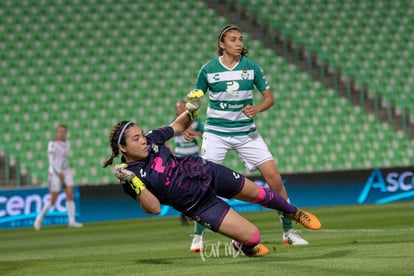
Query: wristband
137, 185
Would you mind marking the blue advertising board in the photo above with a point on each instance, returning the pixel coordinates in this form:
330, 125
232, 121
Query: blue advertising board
388, 186
376, 186
19, 207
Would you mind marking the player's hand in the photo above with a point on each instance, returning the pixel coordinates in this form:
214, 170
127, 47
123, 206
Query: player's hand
250, 111
194, 102
123, 174
129, 177
189, 134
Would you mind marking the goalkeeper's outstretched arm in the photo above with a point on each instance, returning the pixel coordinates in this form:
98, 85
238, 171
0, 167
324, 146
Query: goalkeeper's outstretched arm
182, 122
134, 186
148, 202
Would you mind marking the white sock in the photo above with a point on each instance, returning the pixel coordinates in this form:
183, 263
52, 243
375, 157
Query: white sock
45, 209
70, 206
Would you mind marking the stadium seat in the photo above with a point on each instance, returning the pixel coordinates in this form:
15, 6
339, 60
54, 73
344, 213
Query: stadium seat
90, 65
367, 37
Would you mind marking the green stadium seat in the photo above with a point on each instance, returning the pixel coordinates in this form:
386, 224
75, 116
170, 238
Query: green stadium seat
83, 64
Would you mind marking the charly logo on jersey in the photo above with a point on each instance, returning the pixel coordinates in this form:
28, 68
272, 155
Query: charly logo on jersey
142, 173
384, 188
216, 77
155, 148
245, 74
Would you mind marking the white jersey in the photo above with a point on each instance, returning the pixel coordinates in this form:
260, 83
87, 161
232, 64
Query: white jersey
58, 152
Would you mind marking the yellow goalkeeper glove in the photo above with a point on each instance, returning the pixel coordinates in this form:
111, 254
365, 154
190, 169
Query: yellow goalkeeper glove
194, 102
129, 176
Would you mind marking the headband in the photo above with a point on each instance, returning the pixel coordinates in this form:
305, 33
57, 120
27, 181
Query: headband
225, 30
122, 132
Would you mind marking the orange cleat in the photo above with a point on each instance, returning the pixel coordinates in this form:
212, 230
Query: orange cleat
305, 218
256, 251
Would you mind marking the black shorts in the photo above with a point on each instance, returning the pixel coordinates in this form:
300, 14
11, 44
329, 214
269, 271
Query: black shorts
211, 210
211, 213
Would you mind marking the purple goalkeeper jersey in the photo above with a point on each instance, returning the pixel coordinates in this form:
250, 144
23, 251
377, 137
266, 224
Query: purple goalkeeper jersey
180, 182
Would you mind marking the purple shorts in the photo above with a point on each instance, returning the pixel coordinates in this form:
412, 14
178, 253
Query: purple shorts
211, 213
211, 210
225, 182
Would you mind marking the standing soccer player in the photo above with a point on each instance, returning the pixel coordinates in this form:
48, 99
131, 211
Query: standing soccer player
230, 79
60, 176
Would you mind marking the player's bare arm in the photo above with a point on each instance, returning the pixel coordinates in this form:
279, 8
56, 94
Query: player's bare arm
253, 110
180, 124
149, 203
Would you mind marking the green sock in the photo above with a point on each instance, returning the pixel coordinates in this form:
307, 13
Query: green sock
286, 223
198, 228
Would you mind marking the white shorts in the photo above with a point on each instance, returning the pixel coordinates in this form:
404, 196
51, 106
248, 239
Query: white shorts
55, 184
251, 149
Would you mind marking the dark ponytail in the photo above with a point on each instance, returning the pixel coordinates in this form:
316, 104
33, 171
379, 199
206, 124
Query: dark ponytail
114, 138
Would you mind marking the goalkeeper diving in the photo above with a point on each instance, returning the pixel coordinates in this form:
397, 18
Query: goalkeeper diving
152, 175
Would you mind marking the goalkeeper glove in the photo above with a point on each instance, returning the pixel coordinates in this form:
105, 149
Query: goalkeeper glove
129, 176
194, 102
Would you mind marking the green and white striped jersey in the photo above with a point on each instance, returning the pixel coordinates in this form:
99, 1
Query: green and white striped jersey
184, 147
230, 90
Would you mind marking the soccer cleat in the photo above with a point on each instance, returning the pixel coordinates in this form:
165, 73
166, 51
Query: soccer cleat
292, 237
75, 224
37, 223
255, 251
197, 244
305, 218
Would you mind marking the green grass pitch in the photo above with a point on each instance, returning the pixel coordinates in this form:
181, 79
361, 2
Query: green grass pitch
355, 240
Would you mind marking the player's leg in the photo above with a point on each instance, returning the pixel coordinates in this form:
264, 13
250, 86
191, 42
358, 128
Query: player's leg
54, 188
230, 184
183, 220
214, 148
218, 216
70, 203
245, 235
251, 192
197, 242
256, 155
272, 176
